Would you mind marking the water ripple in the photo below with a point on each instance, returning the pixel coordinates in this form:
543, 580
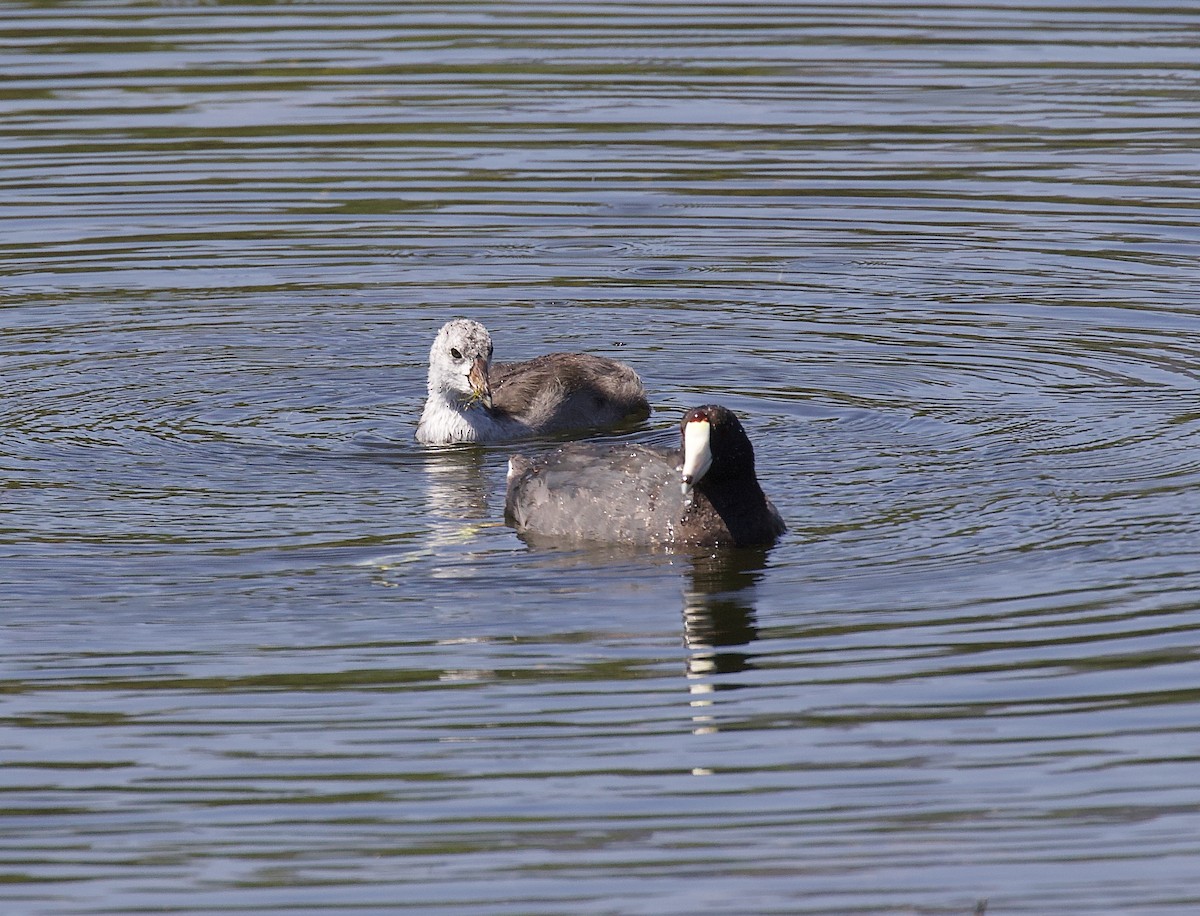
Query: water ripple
942, 261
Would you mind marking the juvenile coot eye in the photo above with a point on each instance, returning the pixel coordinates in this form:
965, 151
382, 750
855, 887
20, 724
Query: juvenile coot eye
454, 352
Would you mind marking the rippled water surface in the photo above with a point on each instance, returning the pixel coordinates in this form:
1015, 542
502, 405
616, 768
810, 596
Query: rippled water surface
261, 653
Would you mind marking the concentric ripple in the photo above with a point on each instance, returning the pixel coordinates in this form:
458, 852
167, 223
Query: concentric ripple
262, 653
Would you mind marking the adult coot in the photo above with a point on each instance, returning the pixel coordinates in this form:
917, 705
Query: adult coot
705, 495
470, 400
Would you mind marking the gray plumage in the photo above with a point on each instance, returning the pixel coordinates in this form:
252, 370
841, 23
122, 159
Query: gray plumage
704, 495
471, 400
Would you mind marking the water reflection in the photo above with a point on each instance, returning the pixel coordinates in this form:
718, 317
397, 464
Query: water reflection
944, 259
455, 485
451, 491
718, 617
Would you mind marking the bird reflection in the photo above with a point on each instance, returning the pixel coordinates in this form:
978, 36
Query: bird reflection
456, 494
456, 486
718, 615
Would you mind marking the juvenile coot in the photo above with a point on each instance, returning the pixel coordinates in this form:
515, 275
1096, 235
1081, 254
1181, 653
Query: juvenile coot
704, 495
470, 400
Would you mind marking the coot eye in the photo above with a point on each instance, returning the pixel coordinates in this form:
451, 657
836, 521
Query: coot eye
454, 352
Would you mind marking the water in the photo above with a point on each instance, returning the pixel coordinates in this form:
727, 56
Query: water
260, 653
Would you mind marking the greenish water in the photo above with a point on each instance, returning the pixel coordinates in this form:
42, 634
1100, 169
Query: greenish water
262, 653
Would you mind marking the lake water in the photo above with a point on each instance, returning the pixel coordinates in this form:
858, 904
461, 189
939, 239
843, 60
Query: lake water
262, 654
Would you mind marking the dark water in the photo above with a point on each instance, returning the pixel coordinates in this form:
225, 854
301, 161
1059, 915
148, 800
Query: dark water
260, 653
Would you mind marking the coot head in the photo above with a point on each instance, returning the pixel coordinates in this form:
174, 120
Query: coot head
715, 448
459, 361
